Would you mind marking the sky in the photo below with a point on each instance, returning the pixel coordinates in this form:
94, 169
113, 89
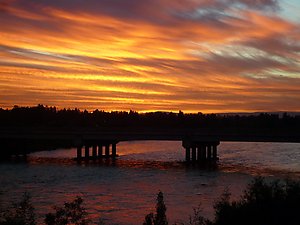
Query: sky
205, 56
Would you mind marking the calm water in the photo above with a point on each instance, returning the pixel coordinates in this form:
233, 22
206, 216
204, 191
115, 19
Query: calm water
124, 192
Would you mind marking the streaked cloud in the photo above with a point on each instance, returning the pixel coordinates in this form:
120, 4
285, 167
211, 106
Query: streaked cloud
191, 55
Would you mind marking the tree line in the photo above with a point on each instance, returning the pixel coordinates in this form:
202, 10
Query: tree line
41, 115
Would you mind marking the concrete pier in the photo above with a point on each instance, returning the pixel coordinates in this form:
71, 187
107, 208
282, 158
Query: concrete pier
215, 156
87, 152
201, 151
187, 154
195, 151
114, 150
79, 152
93, 150
194, 154
198, 154
107, 150
94, 153
100, 151
209, 155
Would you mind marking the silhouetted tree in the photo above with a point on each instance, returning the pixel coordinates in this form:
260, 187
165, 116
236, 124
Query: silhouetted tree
41, 115
274, 203
149, 219
160, 217
71, 213
263, 203
198, 219
21, 213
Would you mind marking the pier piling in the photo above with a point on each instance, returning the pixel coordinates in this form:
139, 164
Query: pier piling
87, 152
107, 150
209, 152
100, 151
79, 152
202, 151
187, 154
114, 150
215, 157
194, 154
94, 153
94, 150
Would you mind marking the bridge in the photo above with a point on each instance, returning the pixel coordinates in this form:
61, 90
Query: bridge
95, 143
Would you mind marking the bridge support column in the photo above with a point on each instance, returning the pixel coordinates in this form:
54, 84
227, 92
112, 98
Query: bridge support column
209, 156
215, 156
187, 154
198, 153
100, 151
107, 150
193, 154
114, 150
203, 152
79, 152
94, 152
87, 152
93, 149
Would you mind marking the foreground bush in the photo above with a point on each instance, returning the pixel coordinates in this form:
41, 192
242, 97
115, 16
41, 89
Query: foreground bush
276, 203
21, 213
262, 203
70, 213
160, 217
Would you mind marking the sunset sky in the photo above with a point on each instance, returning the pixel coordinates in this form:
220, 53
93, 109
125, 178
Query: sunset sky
148, 55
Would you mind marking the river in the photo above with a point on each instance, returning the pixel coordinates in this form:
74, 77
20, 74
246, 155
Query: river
123, 192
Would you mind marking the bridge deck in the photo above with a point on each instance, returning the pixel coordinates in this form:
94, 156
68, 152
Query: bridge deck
199, 144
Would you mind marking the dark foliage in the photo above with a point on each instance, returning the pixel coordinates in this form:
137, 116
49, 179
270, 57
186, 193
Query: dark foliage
160, 217
262, 203
71, 213
198, 219
21, 213
51, 116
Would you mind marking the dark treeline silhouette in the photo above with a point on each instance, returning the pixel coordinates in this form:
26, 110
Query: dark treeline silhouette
52, 117
262, 203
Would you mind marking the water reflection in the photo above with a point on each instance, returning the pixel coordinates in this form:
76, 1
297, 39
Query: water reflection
124, 191
253, 158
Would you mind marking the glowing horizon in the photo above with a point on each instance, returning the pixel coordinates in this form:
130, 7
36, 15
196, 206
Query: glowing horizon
151, 55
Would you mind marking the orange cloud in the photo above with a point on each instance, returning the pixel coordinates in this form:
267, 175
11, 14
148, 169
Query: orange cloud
208, 56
